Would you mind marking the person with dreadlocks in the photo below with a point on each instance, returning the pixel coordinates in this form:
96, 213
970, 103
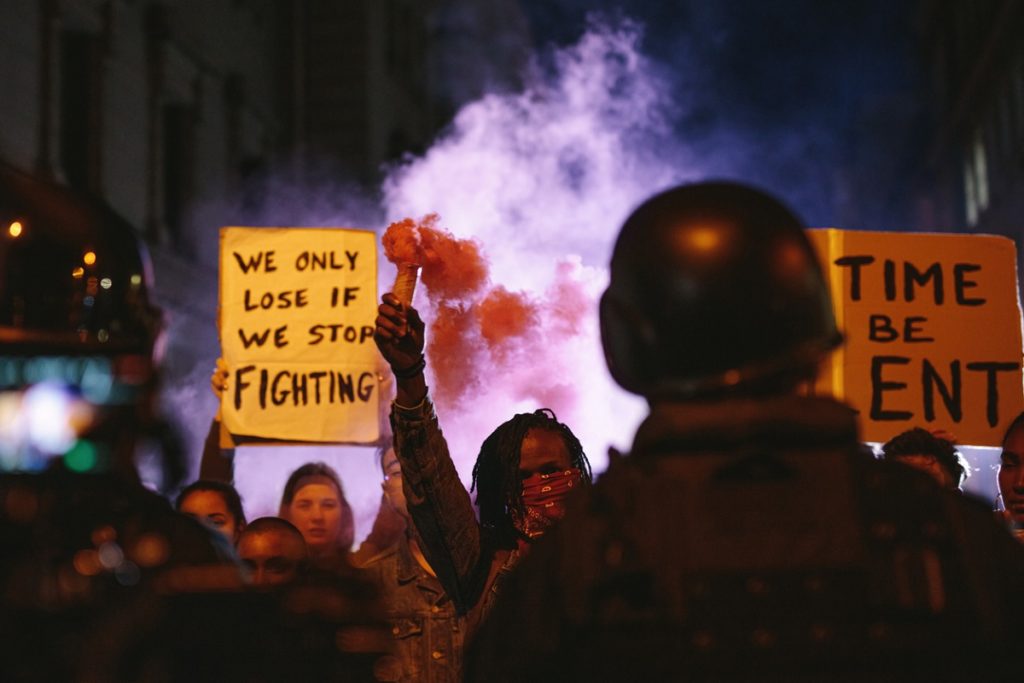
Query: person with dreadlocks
523, 473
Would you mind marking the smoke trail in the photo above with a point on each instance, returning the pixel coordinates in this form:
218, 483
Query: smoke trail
541, 181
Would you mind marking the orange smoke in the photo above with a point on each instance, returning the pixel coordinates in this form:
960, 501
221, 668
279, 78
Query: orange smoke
479, 333
567, 302
401, 240
455, 354
503, 315
452, 268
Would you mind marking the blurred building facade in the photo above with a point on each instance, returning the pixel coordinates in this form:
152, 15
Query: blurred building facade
155, 106
974, 164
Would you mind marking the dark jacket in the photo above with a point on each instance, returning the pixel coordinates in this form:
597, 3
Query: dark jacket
755, 540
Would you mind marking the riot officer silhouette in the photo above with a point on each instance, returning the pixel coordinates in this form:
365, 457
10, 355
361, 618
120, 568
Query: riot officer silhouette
747, 536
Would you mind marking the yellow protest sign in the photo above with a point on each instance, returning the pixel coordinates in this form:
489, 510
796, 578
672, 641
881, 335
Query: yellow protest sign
297, 312
932, 324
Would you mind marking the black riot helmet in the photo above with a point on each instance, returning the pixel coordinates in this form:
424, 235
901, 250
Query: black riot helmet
714, 287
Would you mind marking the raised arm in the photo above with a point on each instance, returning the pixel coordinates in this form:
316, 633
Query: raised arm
438, 503
217, 463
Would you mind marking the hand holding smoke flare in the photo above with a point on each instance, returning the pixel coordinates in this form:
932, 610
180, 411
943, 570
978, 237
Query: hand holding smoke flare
399, 336
453, 273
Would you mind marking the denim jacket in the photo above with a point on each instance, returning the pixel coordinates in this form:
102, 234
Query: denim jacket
468, 563
428, 633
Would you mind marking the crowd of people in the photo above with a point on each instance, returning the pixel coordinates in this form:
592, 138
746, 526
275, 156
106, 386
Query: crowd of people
748, 535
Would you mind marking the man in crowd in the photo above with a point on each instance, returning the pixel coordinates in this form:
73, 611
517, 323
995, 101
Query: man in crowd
272, 551
935, 456
522, 474
747, 536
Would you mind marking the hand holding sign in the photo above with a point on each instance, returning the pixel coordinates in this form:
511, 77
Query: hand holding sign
219, 378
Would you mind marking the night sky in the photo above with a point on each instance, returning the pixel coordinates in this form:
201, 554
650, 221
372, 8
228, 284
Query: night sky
820, 101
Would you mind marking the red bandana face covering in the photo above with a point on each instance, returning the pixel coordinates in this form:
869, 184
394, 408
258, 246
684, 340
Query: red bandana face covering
544, 500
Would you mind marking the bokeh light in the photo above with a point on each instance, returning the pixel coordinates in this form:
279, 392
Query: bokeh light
81, 457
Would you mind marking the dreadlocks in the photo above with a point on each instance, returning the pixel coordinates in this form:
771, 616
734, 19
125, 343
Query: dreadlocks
496, 471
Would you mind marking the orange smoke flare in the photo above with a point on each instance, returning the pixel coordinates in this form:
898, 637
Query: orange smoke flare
452, 268
402, 243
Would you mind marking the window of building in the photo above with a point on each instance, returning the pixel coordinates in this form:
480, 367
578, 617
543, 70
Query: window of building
178, 166
1005, 119
253, 173
79, 136
1017, 87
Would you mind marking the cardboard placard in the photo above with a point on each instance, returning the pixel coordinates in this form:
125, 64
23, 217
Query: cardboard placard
932, 326
296, 320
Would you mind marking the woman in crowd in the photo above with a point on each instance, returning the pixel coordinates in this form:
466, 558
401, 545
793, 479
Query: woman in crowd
314, 501
215, 504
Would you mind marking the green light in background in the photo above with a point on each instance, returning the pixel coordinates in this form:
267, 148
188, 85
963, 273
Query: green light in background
81, 457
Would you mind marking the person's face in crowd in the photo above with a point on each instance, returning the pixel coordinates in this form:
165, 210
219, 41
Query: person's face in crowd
272, 558
392, 483
316, 510
930, 465
542, 452
210, 508
1011, 476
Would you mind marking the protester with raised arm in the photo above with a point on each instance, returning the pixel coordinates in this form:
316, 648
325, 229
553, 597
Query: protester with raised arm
523, 473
